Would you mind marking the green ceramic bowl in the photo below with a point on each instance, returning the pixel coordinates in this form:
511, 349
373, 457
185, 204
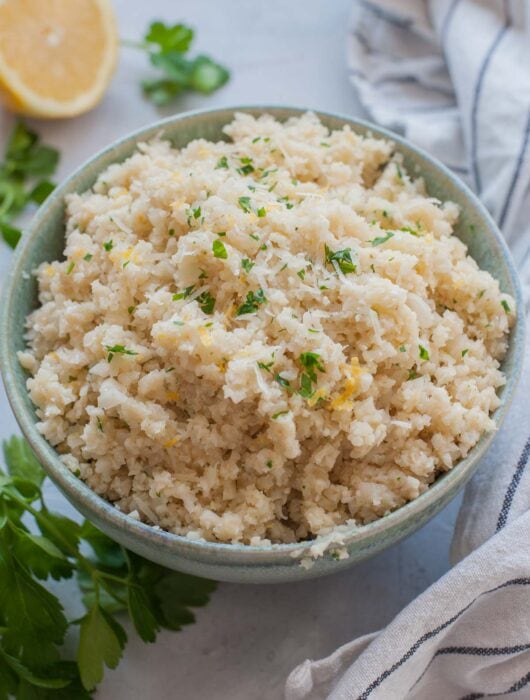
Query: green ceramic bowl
44, 242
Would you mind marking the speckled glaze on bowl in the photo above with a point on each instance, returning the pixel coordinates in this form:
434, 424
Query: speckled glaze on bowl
44, 242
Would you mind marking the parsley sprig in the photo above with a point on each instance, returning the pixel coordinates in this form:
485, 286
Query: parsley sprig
111, 581
23, 178
167, 47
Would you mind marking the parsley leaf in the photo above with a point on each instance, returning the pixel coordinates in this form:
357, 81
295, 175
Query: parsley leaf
207, 302
219, 250
247, 166
252, 302
505, 306
183, 295
167, 47
25, 161
424, 354
247, 264
110, 580
284, 383
382, 239
222, 163
244, 203
342, 258
118, 350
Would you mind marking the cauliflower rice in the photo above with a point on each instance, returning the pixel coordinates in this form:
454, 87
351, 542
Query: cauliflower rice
261, 339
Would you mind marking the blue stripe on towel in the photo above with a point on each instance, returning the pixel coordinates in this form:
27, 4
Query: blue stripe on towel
515, 177
521, 683
486, 62
473, 651
512, 487
429, 635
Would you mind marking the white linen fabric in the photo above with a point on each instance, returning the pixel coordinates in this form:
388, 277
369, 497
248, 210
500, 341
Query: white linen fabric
454, 77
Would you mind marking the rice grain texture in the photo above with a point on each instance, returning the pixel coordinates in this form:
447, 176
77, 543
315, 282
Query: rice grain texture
260, 339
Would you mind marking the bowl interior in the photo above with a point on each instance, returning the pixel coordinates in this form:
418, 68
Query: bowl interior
45, 241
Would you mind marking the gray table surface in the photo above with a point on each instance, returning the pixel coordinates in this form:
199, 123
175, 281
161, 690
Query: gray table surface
247, 640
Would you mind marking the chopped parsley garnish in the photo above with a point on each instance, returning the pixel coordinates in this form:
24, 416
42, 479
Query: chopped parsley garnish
178, 323
265, 365
171, 232
206, 302
88, 257
424, 354
263, 247
284, 383
222, 163
285, 200
313, 330
275, 416
131, 310
185, 294
253, 236
255, 140
244, 203
247, 264
118, 350
269, 463
219, 250
342, 258
301, 274
99, 423
311, 362
252, 302
402, 348
412, 374
203, 275
246, 166
220, 233
196, 212
407, 229
382, 239
464, 352
306, 386
109, 245
505, 306
261, 212
70, 268
127, 262
481, 293
399, 174
325, 145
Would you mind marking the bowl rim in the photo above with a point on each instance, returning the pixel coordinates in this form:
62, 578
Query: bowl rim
85, 499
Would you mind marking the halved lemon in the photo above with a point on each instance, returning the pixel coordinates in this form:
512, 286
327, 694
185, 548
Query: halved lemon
56, 56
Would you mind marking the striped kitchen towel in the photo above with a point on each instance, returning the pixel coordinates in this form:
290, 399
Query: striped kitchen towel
454, 77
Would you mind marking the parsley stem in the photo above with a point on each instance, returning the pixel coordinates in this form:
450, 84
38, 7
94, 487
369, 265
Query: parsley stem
142, 45
90, 568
